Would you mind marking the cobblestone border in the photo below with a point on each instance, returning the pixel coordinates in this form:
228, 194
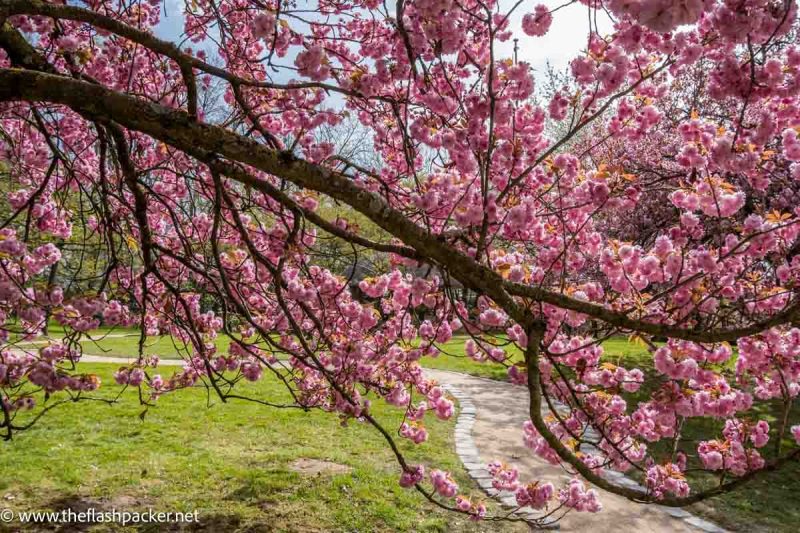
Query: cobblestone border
467, 451
470, 457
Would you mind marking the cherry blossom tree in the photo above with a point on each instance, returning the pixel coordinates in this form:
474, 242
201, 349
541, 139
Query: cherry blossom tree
185, 187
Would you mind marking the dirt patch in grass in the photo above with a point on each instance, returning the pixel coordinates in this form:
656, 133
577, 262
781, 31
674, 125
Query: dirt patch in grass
316, 467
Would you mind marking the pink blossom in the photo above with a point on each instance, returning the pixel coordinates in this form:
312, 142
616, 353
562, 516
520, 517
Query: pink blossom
796, 433
264, 26
577, 497
538, 22
313, 63
534, 495
411, 477
443, 483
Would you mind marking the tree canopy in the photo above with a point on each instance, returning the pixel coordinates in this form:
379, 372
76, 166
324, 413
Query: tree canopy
221, 184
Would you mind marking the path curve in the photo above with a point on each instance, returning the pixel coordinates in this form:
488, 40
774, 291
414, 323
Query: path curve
489, 427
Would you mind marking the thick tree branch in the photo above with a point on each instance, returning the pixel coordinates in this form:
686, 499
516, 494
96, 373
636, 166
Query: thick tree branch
177, 128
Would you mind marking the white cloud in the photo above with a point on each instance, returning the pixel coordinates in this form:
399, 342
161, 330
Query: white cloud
568, 35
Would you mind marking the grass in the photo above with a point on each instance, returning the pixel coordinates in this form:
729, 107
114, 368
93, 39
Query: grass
771, 503
54, 330
231, 462
163, 346
454, 358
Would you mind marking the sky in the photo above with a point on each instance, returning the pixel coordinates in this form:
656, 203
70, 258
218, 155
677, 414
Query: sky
566, 38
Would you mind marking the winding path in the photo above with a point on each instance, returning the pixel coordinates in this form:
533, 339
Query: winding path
489, 427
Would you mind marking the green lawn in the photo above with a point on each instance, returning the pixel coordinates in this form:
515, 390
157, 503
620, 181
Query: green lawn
453, 358
55, 330
769, 504
232, 462
124, 342
163, 346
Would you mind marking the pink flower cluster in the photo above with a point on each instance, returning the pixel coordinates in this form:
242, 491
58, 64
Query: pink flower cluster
735, 454
538, 22
576, 496
443, 483
506, 478
476, 511
412, 476
536, 495
661, 15
662, 479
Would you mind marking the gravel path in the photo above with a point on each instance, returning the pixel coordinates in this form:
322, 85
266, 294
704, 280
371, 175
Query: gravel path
489, 427
85, 339
86, 358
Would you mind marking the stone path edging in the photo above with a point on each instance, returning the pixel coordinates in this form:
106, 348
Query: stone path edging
468, 453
